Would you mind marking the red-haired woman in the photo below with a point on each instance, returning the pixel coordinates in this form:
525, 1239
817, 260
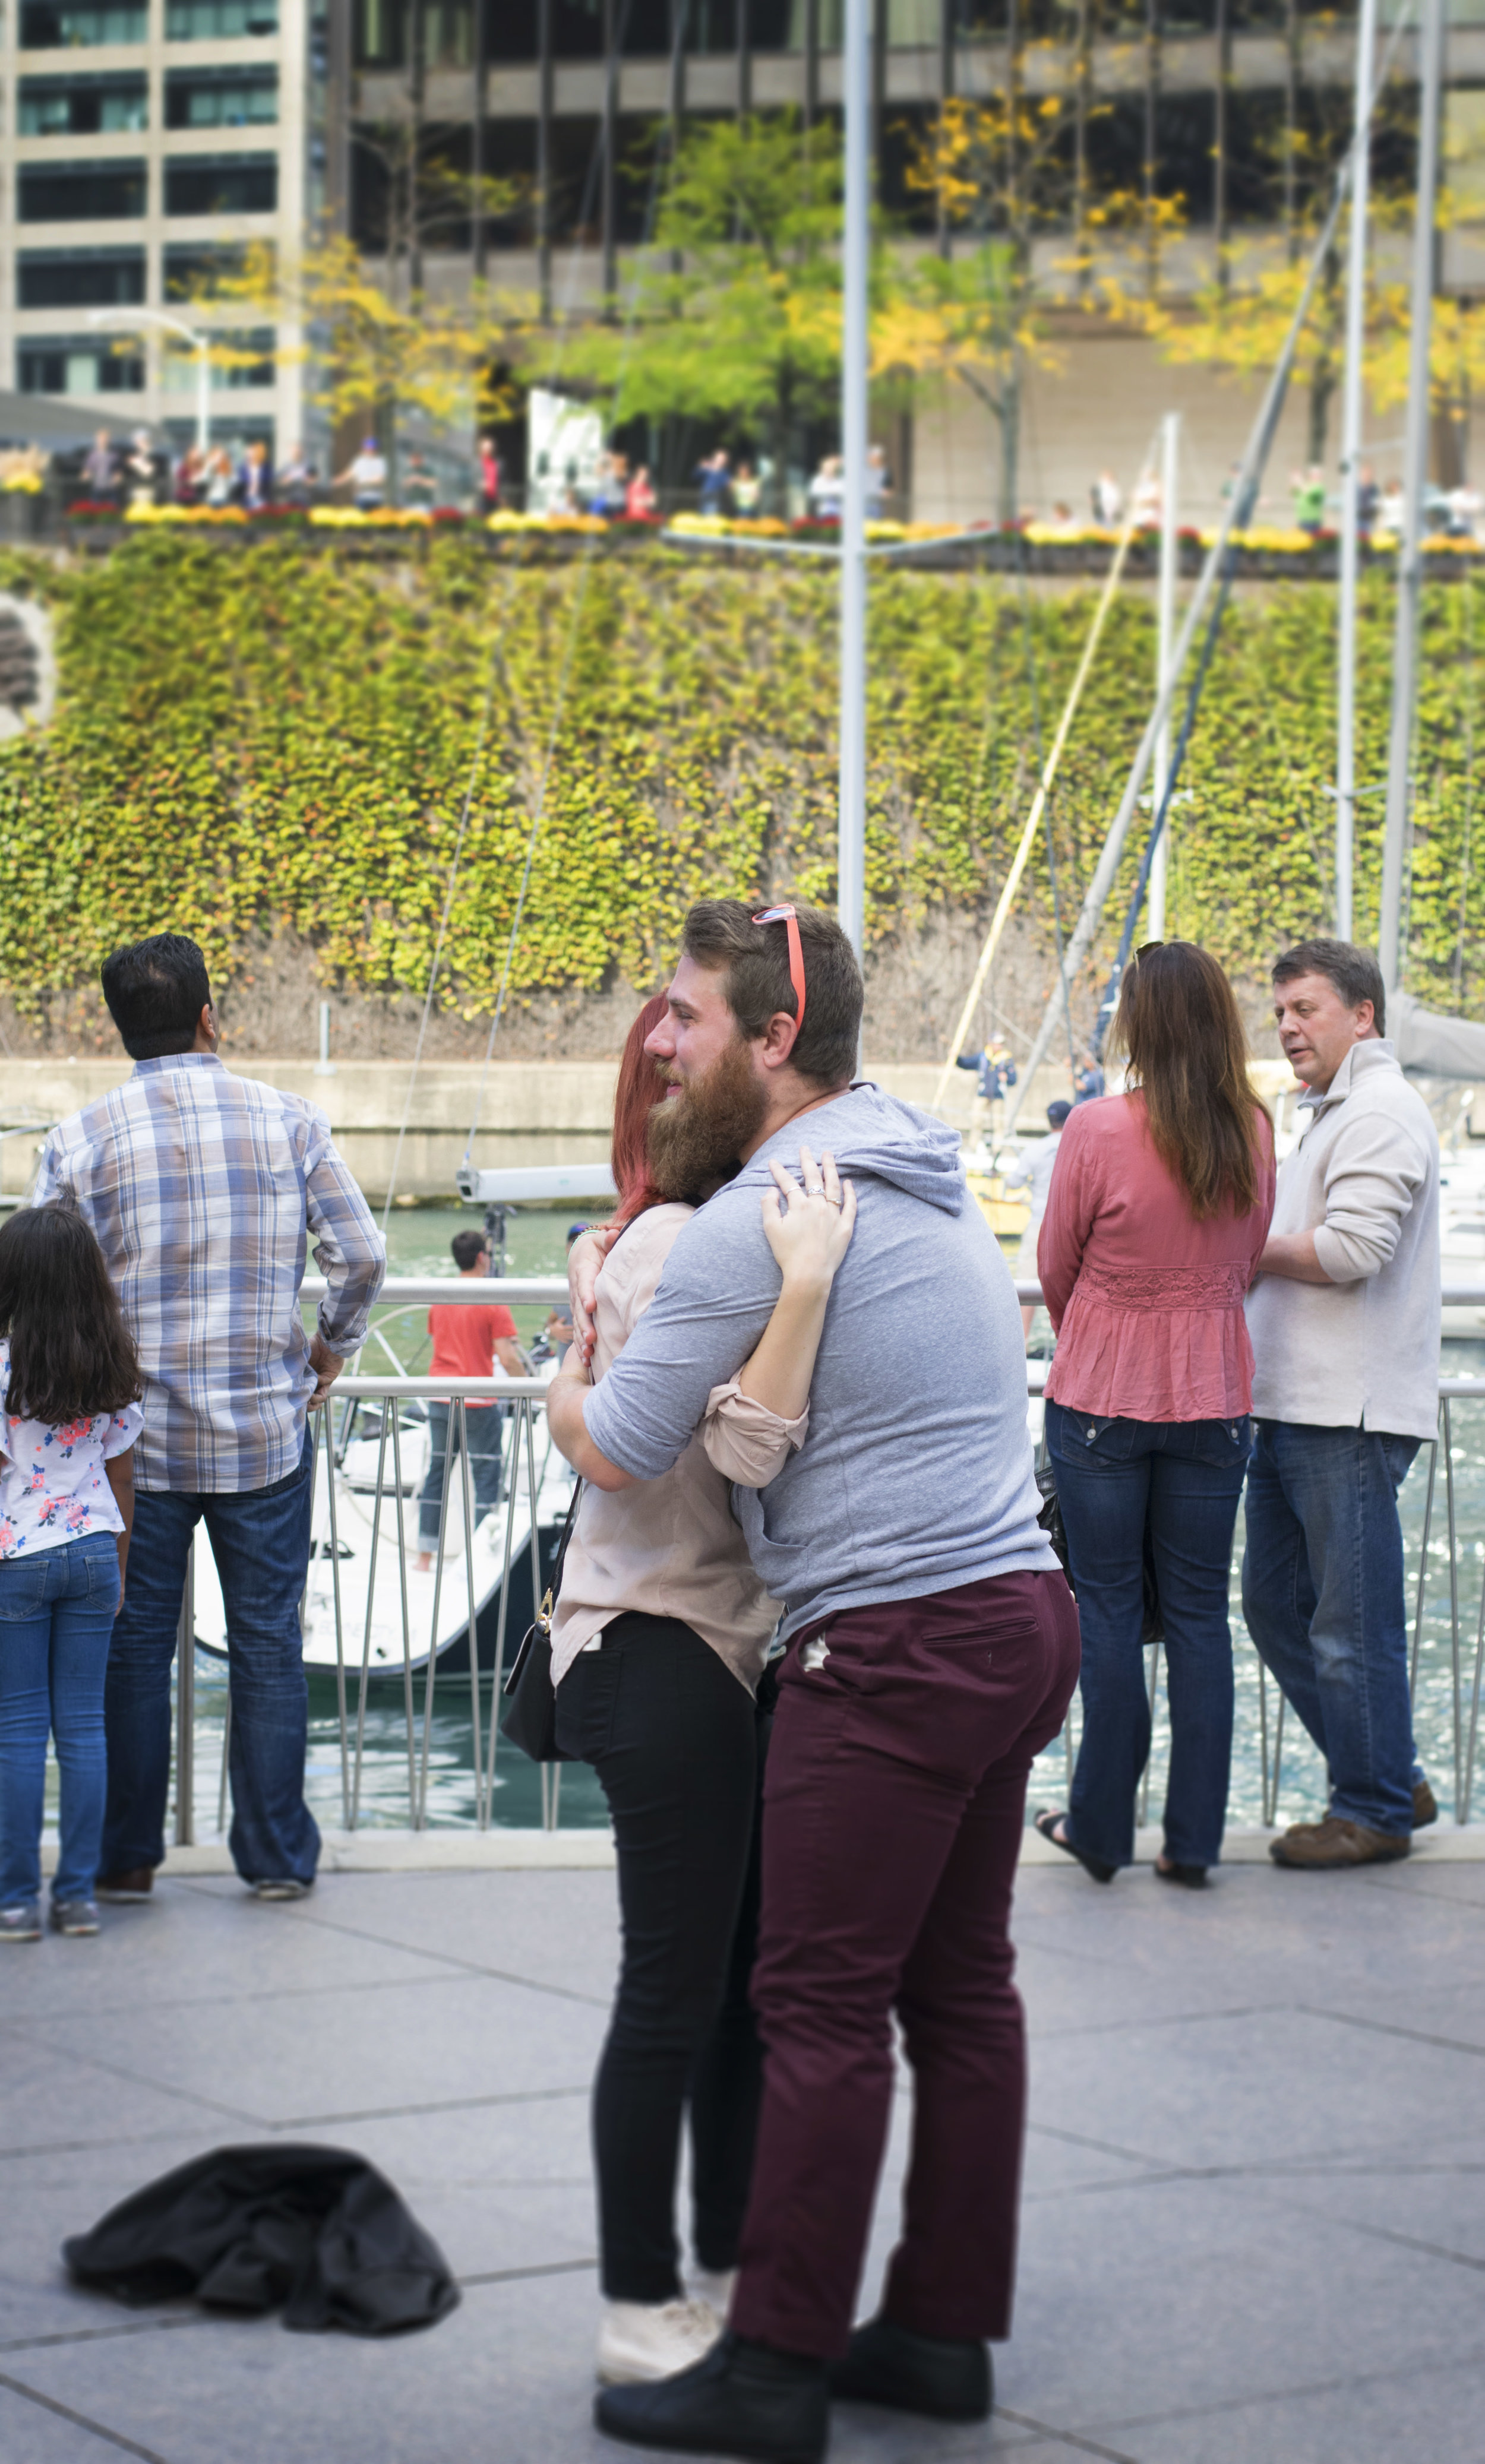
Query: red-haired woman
659, 1643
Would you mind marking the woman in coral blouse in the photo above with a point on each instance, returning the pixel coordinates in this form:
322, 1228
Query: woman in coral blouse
1158, 1209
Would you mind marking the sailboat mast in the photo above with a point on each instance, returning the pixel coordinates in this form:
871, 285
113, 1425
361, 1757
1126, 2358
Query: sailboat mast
1415, 472
850, 860
1350, 473
1169, 555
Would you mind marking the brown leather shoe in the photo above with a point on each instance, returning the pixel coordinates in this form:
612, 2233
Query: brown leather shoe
1335, 1842
126, 1887
1425, 1805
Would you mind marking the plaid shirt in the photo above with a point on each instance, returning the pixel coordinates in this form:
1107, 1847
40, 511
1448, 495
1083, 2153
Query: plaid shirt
200, 1187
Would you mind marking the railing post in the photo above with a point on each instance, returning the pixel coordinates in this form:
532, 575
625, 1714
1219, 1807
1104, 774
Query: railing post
186, 1708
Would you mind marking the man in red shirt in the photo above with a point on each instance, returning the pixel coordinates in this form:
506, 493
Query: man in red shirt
468, 1342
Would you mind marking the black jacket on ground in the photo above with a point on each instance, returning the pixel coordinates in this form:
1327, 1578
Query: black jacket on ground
316, 2229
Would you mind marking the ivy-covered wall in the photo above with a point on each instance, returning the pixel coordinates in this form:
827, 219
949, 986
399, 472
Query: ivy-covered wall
248, 741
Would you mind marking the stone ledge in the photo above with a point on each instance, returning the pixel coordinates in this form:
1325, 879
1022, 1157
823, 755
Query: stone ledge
498, 1851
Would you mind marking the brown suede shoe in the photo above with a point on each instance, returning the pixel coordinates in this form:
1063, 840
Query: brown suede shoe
126, 1887
1335, 1842
1425, 1805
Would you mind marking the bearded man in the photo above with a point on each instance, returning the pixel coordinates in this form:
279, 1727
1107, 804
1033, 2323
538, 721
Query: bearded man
932, 1648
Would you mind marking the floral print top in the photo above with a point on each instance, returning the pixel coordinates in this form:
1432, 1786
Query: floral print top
53, 1484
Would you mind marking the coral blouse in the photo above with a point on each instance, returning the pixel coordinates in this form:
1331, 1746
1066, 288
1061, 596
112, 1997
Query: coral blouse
1146, 1302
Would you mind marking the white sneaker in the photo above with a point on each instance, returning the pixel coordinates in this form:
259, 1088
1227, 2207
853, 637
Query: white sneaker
715, 2287
652, 2340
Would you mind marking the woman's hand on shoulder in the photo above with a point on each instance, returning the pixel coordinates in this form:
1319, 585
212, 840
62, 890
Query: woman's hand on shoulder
809, 1227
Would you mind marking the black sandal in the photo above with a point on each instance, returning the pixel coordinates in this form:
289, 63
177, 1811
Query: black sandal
1191, 1877
1046, 1822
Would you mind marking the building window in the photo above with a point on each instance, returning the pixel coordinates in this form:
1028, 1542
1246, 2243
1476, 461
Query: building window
220, 98
82, 107
100, 191
252, 362
80, 278
221, 184
50, 26
77, 364
219, 21
192, 270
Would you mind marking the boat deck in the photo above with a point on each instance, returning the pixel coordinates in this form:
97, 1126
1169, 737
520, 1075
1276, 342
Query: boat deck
1254, 2226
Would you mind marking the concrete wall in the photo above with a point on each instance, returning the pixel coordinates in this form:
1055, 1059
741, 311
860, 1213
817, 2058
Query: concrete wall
533, 1112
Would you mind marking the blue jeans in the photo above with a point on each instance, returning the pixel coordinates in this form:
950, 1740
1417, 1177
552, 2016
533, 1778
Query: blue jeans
260, 1541
484, 1423
1185, 1478
1323, 1594
57, 1616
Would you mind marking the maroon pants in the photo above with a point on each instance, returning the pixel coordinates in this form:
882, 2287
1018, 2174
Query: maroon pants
892, 1821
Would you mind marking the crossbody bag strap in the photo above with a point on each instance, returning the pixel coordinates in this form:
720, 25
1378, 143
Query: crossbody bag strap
553, 1588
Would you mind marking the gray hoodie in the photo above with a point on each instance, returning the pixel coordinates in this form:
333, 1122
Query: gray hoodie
916, 1474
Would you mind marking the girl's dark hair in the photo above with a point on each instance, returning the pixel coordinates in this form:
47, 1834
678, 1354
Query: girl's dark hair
641, 1085
1179, 1023
72, 1356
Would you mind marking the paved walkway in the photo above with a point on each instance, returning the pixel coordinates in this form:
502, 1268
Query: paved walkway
1253, 2225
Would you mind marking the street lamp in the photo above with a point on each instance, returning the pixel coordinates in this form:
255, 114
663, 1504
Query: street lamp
200, 344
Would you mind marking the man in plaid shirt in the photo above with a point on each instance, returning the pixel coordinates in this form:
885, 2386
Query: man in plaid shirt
202, 1188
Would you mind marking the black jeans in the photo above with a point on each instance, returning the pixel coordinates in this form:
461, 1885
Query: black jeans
678, 1744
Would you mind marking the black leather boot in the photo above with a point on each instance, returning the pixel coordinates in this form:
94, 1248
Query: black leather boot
744, 2399
947, 2379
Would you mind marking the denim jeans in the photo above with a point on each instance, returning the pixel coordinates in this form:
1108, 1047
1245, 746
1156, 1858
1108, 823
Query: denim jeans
485, 1424
1323, 1594
260, 1541
1185, 1478
57, 1615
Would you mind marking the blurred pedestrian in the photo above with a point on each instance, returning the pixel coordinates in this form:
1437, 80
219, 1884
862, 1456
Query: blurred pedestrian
257, 477
100, 479
140, 470
1157, 1212
641, 504
489, 476
203, 1190
366, 476
468, 1342
1309, 494
189, 484
746, 492
219, 478
1108, 500
714, 483
419, 481
826, 489
878, 483
1345, 1321
296, 477
68, 1397
1033, 1171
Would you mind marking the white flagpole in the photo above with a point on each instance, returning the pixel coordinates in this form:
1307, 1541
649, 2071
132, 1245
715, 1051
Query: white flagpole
856, 69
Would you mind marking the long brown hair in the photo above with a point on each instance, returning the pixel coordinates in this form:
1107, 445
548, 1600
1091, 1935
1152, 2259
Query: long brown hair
72, 1357
1179, 1023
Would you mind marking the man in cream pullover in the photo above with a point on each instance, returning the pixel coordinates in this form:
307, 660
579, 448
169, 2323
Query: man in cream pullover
1344, 1320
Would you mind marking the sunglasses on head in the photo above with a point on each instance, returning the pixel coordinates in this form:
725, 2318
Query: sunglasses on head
787, 916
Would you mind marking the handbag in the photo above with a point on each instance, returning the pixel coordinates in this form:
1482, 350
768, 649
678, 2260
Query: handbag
1153, 1627
530, 1697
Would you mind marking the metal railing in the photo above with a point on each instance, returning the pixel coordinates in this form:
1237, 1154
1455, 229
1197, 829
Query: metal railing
374, 1415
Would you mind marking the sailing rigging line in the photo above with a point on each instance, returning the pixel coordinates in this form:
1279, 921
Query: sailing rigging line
1030, 637
1018, 862
1238, 513
664, 162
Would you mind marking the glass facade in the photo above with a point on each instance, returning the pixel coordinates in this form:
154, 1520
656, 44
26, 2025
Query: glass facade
191, 269
82, 107
77, 364
50, 26
221, 184
219, 21
221, 97
80, 278
101, 191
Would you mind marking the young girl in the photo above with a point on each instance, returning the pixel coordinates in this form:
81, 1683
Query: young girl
69, 1395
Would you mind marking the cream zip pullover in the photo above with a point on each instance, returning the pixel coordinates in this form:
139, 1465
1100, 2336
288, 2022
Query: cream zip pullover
1362, 1351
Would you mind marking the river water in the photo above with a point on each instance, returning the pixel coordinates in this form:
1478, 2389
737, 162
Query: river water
418, 1244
